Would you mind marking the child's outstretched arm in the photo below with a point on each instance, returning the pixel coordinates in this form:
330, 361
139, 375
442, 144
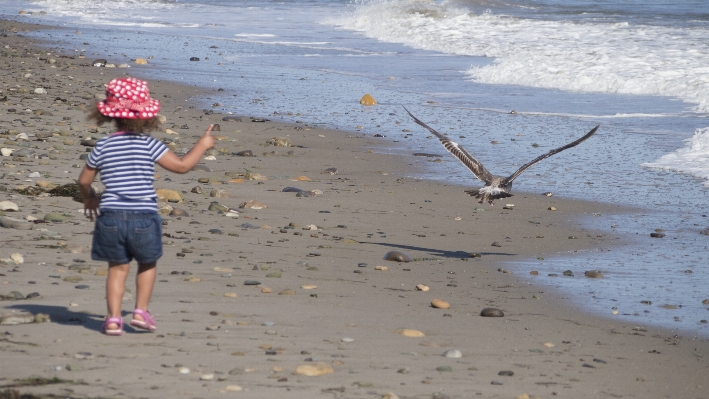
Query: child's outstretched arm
173, 163
91, 202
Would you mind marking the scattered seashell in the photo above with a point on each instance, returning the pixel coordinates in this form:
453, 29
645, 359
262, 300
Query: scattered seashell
411, 333
314, 370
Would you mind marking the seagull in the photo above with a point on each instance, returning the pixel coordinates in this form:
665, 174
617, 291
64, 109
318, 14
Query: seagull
496, 187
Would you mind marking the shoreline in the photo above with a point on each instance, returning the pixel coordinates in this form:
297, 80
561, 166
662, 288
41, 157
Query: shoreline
371, 210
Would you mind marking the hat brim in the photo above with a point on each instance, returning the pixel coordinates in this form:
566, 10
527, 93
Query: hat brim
149, 109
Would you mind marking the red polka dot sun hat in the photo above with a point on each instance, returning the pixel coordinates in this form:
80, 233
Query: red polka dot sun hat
128, 98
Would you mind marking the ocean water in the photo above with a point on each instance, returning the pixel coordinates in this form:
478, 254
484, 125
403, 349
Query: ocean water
639, 69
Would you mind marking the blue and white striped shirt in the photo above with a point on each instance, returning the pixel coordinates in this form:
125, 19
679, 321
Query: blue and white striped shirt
126, 162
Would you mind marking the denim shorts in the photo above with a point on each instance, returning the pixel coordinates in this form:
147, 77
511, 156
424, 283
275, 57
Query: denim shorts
121, 236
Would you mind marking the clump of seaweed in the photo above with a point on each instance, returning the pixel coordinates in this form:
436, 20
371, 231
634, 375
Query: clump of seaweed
30, 190
70, 190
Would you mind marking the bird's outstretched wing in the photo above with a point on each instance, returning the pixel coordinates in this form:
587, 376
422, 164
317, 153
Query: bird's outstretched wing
548, 154
459, 152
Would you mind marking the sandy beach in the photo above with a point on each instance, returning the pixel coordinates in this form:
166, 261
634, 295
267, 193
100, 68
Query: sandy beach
245, 303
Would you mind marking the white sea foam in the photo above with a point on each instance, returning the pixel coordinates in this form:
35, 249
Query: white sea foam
571, 56
254, 35
692, 159
108, 12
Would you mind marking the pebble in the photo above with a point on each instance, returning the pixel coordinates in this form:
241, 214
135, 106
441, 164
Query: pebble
444, 369
440, 304
491, 312
593, 274
422, 287
287, 292
367, 100
411, 333
266, 290
347, 339
453, 354
233, 388
330, 171
252, 282
17, 224
206, 377
11, 319
219, 193
253, 204
54, 217
314, 370
398, 256
183, 370
380, 268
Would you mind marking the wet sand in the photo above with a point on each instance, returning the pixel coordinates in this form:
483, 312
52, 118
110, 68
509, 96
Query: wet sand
219, 337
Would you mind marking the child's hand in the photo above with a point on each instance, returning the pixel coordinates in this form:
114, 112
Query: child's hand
91, 207
207, 140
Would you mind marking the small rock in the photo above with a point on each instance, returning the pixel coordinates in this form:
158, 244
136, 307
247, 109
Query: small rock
453, 354
168, 195
11, 319
219, 193
8, 206
287, 292
491, 312
593, 274
314, 370
329, 171
279, 142
367, 100
440, 304
253, 204
422, 287
398, 256
411, 333
200, 167
179, 212
54, 217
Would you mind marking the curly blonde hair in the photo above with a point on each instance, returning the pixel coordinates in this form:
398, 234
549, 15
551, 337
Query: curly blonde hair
124, 124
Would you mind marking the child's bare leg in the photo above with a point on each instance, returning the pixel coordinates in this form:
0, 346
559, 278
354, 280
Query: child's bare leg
144, 282
115, 286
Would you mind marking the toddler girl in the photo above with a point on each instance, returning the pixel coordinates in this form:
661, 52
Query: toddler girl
127, 223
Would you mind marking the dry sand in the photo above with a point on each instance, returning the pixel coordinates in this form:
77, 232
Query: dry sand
232, 337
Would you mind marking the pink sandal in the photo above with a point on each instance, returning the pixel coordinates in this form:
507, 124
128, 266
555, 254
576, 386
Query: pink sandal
147, 323
113, 331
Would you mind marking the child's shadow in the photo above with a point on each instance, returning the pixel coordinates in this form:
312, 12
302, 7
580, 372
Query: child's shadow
62, 315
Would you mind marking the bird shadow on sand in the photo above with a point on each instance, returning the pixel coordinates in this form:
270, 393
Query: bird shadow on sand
437, 252
64, 316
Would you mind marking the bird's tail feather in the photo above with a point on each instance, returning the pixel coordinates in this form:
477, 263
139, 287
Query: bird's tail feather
479, 195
